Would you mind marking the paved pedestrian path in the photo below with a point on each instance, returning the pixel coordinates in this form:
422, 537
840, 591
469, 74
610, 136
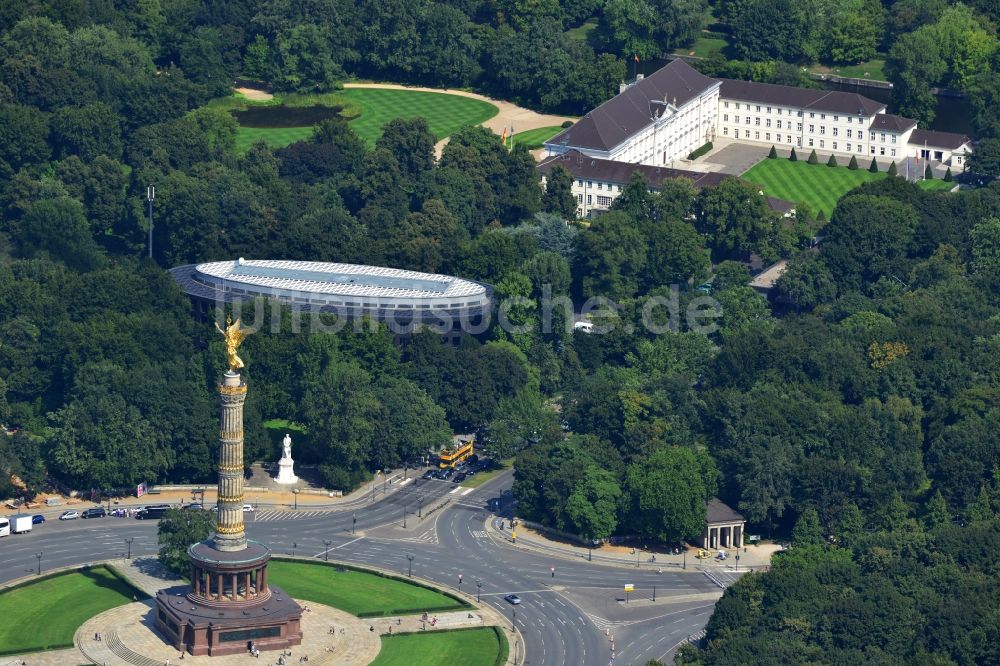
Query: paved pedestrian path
146, 573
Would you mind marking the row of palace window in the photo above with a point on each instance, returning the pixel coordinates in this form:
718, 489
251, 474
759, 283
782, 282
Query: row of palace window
812, 128
767, 121
812, 114
790, 139
600, 185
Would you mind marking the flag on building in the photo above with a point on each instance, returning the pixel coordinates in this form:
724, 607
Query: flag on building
636, 56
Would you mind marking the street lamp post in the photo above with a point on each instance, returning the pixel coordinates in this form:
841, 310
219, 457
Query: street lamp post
326, 553
479, 591
420, 502
295, 493
737, 561
404, 516
459, 582
654, 592
129, 542
294, 546
354, 522
685, 559
39, 557
513, 619
409, 572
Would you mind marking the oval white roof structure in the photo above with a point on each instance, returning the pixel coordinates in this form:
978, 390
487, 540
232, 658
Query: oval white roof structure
344, 288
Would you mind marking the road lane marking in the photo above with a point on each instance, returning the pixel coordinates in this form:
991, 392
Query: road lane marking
467, 491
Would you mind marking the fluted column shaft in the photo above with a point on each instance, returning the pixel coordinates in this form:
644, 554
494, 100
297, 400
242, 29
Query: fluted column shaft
230, 531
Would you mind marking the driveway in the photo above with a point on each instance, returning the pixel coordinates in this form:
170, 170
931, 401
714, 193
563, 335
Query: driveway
734, 158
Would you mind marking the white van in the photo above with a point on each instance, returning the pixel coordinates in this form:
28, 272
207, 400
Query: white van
4, 527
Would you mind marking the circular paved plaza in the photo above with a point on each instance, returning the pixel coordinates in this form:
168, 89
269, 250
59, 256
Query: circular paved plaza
128, 637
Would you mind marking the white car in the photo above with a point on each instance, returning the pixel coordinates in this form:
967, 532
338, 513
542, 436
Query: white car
69, 515
248, 507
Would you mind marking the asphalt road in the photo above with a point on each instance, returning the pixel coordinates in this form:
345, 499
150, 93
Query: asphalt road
565, 619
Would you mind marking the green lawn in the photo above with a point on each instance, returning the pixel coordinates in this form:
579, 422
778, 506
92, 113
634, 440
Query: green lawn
704, 47
536, 137
583, 32
358, 593
369, 109
43, 615
935, 185
276, 137
444, 113
468, 647
873, 70
818, 185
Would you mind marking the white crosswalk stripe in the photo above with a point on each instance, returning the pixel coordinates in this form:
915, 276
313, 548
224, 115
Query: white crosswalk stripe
270, 516
429, 536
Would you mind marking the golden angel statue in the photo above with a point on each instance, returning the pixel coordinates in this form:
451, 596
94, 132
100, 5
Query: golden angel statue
234, 336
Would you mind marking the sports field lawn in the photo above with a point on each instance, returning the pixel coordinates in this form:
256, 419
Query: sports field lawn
45, 614
818, 185
468, 647
358, 593
536, 137
444, 113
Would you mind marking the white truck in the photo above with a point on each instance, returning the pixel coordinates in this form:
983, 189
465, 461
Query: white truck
20, 523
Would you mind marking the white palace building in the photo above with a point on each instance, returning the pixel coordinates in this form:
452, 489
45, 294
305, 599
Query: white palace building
667, 115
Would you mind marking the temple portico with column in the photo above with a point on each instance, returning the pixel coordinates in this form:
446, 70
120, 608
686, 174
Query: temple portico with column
724, 527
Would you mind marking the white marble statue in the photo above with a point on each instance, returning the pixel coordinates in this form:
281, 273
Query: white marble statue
285, 472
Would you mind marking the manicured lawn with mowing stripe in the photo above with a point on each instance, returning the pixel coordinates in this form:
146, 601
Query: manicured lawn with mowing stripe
818, 185
444, 113
536, 137
44, 615
357, 592
935, 185
374, 107
467, 647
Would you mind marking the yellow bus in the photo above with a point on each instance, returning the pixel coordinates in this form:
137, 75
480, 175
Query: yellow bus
462, 450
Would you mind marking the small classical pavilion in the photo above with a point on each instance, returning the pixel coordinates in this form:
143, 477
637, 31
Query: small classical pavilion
723, 526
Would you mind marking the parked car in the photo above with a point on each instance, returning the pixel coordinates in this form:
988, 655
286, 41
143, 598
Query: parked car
95, 512
69, 515
37, 519
194, 507
248, 507
448, 473
151, 512
459, 477
429, 474
512, 599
